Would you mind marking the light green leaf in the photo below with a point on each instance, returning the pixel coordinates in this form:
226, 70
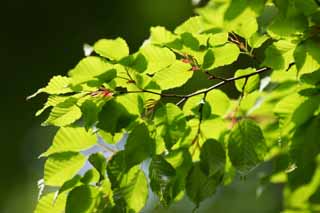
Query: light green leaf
89, 68
307, 57
61, 167
158, 58
218, 101
194, 25
52, 101
279, 55
48, 204
241, 17
288, 23
246, 145
217, 39
84, 199
162, 179
296, 109
64, 113
160, 35
249, 85
223, 55
91, 176
71, 139
114, 49
174, 76
170, 123
57, 85
257, 39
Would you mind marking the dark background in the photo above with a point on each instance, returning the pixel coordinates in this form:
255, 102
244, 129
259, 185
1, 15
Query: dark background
40, 39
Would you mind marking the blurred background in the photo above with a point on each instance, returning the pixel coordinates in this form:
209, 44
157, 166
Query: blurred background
40, 39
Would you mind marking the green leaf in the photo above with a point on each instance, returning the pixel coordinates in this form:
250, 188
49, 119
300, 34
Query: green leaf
57, 85
246, 146
222, 55
296, 110
114, 49
99, 162
160, 35
52, 101
218, 101
199, 186
212, 158
257, 39
304, 149
139, 145
288, 23
307, 57
162, 179
114, 117
91, 176
173, 76
64, 113
181, 161
130, 188
61, 167
158, 58
71, 139
217, 39
194, 25
91, 108
84, 199
89, 69
48, 204
241, 17
171, 123
311, 78
279, 55
249, 85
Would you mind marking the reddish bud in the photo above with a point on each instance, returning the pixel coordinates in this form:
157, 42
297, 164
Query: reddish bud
195, 68
185, 60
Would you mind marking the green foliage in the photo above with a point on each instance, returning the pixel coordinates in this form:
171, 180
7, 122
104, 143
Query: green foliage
148, 109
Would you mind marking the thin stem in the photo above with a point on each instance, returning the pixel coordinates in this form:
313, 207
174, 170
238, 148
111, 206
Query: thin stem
203, 91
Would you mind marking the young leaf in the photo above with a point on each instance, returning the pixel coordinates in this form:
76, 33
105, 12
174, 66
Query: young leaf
246, 146
158, 58
247, 85
307, 57
57, 85
61, 167
173, 76
71, 139
223, 55
48, 204
64, 113
89, 68
115, 49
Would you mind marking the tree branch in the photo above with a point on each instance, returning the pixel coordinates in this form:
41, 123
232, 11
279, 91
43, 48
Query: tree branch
203, 91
